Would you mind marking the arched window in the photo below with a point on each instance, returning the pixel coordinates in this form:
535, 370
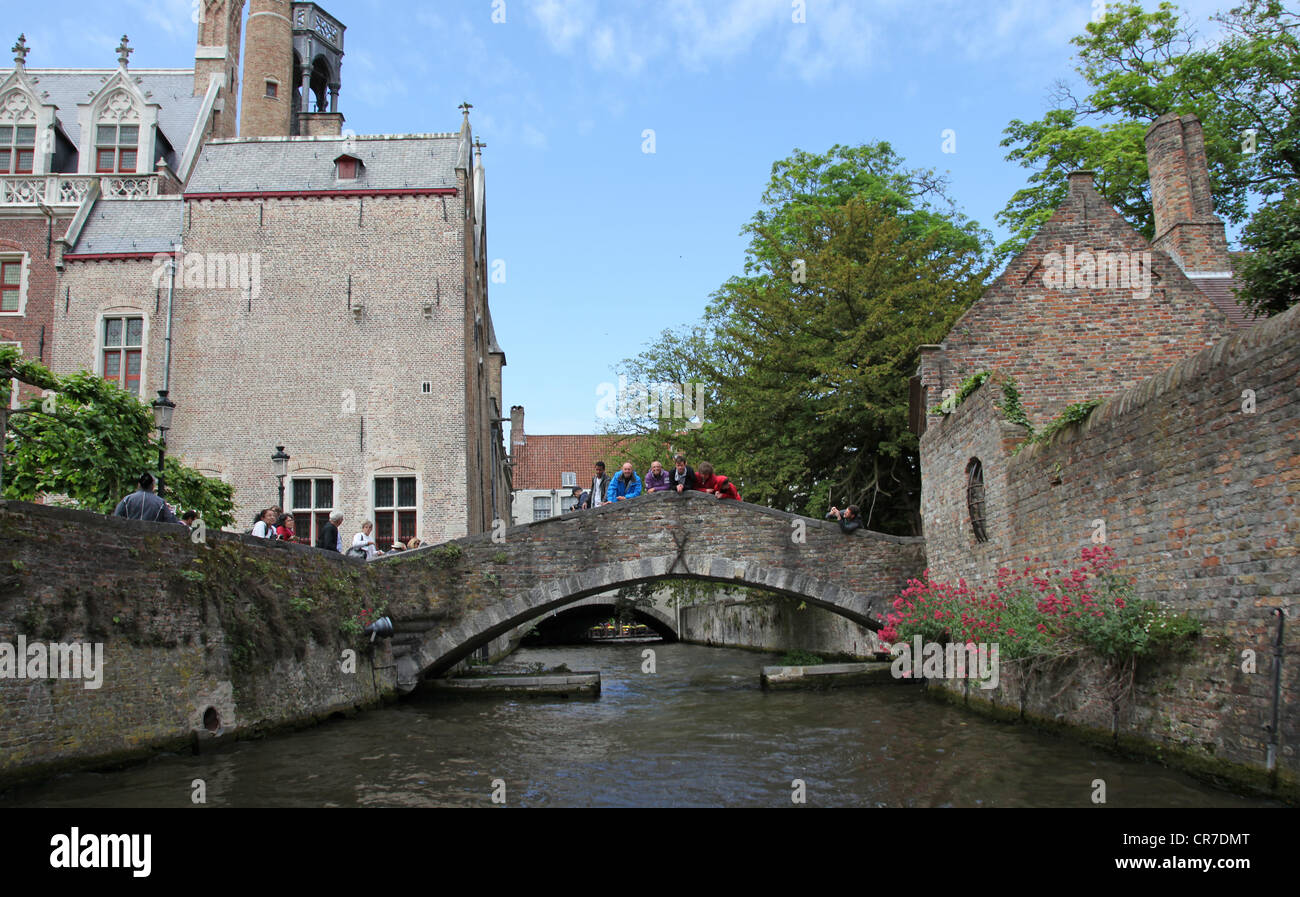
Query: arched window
975, 498
117, 135
17, 134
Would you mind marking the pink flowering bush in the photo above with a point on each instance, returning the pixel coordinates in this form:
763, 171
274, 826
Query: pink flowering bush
1033, 612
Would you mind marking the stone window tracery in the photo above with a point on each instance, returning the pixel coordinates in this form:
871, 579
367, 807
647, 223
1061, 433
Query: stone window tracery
117, 135
17, 134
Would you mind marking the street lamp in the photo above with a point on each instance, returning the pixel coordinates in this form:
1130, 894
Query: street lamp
162, 419
280, 467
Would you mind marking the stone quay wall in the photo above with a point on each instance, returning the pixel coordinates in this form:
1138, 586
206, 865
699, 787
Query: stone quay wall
224, 639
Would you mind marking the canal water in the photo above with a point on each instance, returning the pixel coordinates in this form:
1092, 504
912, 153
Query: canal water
697, 732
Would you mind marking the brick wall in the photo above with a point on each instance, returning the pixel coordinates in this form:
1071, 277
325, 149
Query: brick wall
32, 236
98, 289
1200, 504
295, 367
1092, 335
268, 55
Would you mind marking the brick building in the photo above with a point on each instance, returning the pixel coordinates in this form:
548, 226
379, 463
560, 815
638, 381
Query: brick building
1089, 309
295, 285
546, 468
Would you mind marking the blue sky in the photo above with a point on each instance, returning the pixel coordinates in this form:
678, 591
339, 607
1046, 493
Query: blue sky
605, 245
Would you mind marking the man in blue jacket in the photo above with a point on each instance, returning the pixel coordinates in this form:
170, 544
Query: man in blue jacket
624, 486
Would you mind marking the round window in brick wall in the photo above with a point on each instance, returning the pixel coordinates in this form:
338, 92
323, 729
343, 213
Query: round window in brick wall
975, 498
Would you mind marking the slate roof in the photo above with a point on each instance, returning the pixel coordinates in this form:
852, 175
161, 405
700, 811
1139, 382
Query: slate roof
132, 225
173, 89
541, 460
307, 163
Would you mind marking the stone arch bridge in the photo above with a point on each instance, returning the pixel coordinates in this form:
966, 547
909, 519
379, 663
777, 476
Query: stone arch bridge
448, 600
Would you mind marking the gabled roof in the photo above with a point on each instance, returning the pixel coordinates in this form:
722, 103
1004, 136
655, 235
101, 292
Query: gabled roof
144, 225
307, 163
172, 89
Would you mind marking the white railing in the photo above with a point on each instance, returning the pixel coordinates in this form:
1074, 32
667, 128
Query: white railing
71, 189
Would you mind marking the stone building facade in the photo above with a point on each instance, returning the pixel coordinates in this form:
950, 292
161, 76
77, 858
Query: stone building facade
292, 286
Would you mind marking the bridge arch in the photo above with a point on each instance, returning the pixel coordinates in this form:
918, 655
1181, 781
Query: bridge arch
493, 587
659, 618
484, 588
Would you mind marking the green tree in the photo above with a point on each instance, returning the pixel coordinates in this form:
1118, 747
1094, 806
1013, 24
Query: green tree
89, 442
1270, 273
854, 262
1137, 66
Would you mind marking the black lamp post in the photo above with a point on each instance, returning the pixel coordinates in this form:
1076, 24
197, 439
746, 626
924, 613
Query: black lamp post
162, 419
280, 466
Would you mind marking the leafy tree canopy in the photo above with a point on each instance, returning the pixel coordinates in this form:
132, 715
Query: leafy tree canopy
1137, 66
89, 442
854, 261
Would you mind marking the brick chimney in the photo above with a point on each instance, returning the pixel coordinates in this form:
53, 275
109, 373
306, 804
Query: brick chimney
517, 436
1186, 226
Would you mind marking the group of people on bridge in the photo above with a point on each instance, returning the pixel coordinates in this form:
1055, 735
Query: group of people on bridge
627, 485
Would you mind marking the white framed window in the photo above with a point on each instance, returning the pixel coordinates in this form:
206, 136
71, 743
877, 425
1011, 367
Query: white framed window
541, 507
121, 351
396, 509
311, 499
569, 479
116, 148
17, 148
13, 283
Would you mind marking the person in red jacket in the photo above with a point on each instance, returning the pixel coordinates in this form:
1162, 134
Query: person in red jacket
717, 486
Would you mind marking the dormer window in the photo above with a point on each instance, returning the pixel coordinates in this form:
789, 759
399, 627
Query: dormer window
116, 148
17, 149
348, 167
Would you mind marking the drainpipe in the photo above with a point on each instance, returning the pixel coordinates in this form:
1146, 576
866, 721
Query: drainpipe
1276, 728
171, 284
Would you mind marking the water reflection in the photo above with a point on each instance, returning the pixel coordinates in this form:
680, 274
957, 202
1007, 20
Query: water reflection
697, 732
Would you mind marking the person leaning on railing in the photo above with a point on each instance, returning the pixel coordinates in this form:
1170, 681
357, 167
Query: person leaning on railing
850, 519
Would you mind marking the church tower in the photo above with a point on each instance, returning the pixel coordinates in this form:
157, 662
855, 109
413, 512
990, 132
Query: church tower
217, 54
266, 109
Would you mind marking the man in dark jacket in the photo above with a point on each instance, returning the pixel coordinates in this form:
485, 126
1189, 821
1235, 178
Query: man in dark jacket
599, 485
328, 538
681, 477
848, 518
142, 504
